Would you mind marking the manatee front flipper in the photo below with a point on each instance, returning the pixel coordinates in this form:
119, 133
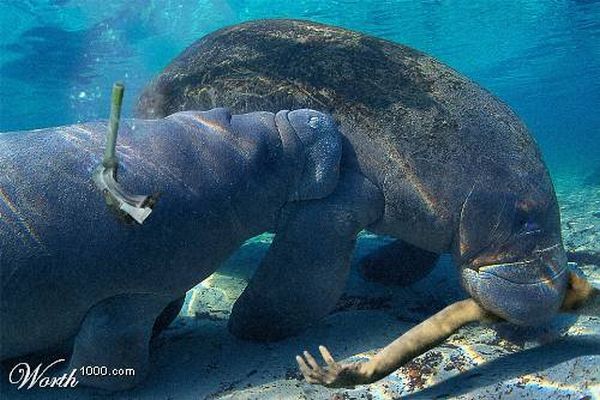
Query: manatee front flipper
116, 334
398, 263
304, 272
167, 316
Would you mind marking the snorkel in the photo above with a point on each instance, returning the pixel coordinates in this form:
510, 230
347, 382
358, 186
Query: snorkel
130, 207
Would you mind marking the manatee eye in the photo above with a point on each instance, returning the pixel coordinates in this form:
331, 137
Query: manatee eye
530, 226
526, 226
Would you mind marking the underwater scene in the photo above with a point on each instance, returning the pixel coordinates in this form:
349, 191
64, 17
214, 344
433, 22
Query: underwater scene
253, 199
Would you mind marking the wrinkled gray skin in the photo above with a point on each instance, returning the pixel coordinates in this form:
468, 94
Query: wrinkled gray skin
71, 268
457, 170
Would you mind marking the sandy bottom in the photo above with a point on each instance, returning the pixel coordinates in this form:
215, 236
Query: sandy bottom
196, 358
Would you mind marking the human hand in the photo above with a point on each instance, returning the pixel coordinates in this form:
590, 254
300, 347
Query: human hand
333, 375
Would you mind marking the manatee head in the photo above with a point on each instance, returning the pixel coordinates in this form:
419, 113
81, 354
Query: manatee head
509, 248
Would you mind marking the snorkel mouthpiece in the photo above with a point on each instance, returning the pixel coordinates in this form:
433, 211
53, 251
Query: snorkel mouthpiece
130, 206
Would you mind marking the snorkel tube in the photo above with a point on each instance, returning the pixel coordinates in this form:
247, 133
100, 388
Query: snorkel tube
131, 207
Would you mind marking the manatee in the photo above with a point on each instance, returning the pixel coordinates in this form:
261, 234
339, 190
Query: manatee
455, 168
74, 270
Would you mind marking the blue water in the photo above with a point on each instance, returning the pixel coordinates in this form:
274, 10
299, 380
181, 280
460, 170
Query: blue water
60, 57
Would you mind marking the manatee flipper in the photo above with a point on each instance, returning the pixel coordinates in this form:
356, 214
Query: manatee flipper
116, 334
304, 272
167, 316
398, 263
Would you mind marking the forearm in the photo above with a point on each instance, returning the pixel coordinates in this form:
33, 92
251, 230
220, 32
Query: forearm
425, 336
421, 338
437, 328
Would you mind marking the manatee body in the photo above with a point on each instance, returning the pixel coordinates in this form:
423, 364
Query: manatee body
70, 268
457, 170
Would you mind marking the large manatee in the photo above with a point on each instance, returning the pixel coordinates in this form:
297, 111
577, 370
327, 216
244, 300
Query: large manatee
456, 171
72, 268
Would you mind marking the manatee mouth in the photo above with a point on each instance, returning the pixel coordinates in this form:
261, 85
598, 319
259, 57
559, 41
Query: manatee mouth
524, 272
525, 292
545, 265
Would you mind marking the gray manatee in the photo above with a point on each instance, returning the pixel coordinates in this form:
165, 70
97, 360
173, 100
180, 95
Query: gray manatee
454, 170
71, 269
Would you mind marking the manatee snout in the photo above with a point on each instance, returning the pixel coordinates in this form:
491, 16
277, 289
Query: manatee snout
317, 135
510, 250
526, 292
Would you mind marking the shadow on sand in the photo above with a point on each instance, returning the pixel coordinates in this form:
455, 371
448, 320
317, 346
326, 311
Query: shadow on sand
512, 366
